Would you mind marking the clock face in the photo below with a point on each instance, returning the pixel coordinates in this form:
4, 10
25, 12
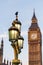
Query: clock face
34, 36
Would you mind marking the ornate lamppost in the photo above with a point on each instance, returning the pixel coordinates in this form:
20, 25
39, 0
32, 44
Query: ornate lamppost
16, 39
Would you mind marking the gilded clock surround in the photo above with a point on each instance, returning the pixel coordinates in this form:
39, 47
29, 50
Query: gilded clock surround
33, 34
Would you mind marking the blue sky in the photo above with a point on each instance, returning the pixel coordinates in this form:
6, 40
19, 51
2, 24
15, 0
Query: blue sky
7, 15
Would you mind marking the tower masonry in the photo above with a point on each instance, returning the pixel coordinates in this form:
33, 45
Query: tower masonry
35, 42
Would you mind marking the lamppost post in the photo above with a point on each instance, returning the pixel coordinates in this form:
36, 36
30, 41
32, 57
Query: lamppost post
16, 39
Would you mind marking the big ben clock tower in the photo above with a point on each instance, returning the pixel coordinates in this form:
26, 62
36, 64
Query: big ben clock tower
35, 43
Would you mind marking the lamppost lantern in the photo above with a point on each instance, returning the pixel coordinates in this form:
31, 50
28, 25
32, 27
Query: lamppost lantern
13, 33
16, 39
16, 22
20, 42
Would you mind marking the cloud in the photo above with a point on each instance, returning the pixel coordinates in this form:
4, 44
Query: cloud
4, 35
42, 32
24, 33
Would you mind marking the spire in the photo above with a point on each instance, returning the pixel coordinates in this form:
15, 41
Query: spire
34, 16
2, 42
4, 61
34, 19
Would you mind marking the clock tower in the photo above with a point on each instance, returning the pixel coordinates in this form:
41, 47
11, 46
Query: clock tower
35, 42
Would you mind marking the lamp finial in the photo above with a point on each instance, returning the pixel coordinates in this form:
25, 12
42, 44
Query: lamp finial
16, 15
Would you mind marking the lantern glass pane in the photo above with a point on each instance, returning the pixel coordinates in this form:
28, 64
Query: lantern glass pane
18, 26
13, 34
20, 43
